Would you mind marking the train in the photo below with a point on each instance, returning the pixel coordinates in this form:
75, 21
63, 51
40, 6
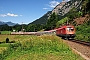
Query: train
65, 31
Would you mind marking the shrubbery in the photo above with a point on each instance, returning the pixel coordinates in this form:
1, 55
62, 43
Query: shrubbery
62, 21
83, 31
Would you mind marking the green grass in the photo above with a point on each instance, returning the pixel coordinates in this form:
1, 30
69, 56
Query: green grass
4, 45
46, 47
5, 32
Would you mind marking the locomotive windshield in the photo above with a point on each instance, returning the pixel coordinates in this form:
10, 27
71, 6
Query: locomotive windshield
70, 29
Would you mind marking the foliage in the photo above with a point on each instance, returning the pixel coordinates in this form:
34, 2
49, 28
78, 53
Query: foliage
34, 27
17, 27
74, 13
85, 6
51, 23
5, 28
62, 21
29, 27
83, 31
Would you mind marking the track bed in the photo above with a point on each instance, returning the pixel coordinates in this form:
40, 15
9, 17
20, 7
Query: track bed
83, 49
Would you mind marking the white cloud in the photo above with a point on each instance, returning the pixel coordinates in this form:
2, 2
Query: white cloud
9, 14
45, 8
3, 15
52, 4
12, 15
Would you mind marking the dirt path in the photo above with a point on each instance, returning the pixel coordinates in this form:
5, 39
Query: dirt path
82, 50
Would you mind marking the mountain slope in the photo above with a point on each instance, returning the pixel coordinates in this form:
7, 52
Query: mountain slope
1, 23
43, 19
8, 23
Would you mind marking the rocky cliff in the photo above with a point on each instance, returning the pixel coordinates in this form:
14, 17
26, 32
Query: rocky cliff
64, 7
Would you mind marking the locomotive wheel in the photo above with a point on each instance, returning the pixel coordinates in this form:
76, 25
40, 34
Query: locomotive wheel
63, 37
66, 38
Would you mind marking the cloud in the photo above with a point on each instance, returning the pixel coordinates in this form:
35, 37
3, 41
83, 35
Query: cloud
3, 15
9, 14
12, 15
52, 4
45, 8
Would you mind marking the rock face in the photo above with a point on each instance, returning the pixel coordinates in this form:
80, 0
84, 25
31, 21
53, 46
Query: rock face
58, 7
65, 7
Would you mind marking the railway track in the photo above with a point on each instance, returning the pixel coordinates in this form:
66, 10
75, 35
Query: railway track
80, 47
81, 42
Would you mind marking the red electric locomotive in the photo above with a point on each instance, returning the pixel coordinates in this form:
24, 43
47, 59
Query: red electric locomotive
66, 31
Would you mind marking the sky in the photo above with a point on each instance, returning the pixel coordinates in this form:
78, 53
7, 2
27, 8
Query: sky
26, 11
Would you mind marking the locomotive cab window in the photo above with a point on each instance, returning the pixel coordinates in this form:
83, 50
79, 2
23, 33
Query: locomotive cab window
70, 29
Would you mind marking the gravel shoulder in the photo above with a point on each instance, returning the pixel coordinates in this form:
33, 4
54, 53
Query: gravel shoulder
82, 50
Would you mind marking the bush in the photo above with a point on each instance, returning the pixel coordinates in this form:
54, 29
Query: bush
7, 40
62, 21
1, 57
83, 32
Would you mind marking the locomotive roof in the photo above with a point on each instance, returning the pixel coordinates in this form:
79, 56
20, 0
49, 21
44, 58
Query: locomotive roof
65, 26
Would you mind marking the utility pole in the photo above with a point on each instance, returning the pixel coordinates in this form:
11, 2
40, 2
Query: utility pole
67, 22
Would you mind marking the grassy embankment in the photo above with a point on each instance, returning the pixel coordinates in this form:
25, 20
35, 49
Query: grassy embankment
5, 32
29, 47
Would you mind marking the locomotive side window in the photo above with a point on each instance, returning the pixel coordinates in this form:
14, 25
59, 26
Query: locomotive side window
70, 29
